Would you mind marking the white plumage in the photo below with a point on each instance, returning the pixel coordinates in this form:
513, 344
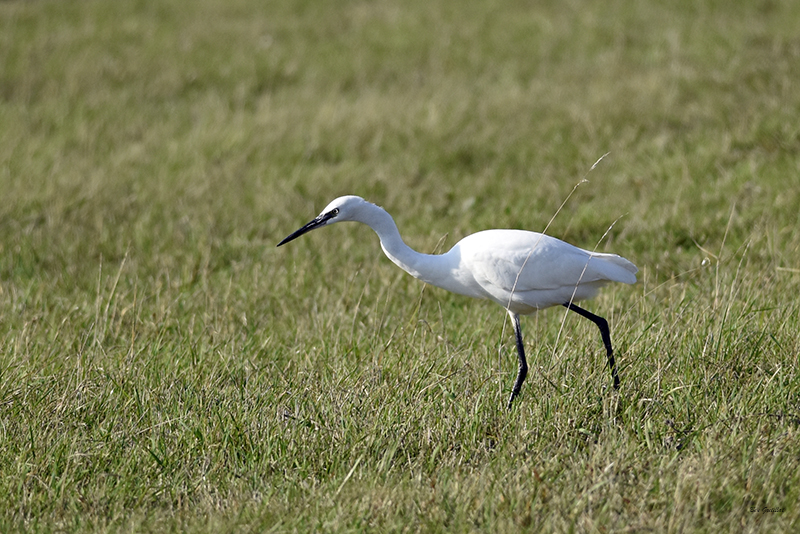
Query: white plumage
519, 270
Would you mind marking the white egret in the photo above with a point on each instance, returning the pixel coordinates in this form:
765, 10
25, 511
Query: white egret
521, 271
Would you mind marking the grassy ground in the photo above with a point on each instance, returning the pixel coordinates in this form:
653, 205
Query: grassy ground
163, 367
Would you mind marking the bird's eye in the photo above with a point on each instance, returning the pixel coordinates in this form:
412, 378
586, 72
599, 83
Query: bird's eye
335, 211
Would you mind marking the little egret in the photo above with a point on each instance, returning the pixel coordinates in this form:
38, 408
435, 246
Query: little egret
521, 271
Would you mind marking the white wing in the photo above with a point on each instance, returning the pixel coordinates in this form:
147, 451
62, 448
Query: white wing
528, 270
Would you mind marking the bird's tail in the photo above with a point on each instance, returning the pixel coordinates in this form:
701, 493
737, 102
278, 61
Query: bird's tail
613, 267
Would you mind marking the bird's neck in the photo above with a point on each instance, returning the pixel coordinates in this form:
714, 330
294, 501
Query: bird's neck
422, 266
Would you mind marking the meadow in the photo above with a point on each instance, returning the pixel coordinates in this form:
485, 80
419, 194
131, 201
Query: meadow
165, 368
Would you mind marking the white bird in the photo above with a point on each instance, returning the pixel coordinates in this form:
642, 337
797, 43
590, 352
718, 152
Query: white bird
521, 271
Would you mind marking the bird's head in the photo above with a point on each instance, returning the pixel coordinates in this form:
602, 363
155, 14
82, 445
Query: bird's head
345, 208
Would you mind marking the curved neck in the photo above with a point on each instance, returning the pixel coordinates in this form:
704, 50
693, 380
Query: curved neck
435, 269
441, 270
392, 244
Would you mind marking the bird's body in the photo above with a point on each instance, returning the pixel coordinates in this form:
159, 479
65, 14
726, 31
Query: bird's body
525, 271
521, 271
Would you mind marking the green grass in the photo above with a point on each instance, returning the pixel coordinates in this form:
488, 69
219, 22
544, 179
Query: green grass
163, 367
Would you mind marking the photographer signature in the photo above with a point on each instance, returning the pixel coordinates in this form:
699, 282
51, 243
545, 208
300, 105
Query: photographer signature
767, 510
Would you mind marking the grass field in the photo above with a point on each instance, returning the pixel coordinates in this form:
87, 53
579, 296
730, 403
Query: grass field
163, 367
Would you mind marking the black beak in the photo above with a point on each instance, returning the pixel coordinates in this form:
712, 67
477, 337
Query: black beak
316, 223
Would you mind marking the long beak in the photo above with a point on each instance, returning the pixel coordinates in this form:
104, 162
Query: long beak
313, 225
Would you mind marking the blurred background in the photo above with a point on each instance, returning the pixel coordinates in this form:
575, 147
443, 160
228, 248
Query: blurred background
153, 153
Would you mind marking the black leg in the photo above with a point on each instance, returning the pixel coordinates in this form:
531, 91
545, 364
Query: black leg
602, 324
523, 364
